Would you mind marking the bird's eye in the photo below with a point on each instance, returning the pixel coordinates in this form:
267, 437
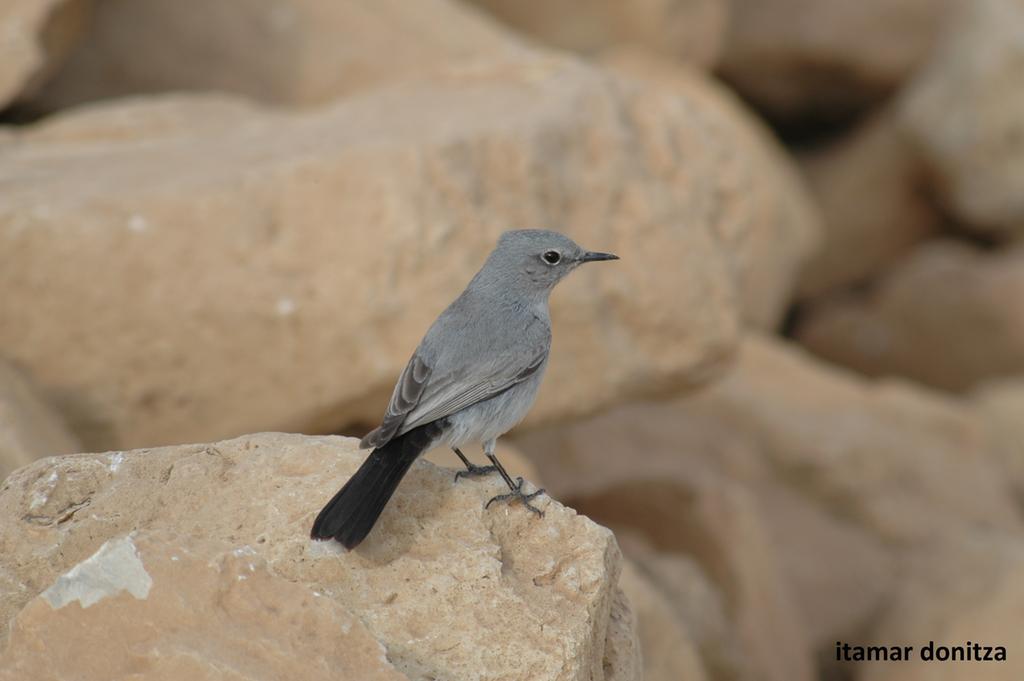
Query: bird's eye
552, 257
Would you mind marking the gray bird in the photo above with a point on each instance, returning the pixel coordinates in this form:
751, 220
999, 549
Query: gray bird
472, 378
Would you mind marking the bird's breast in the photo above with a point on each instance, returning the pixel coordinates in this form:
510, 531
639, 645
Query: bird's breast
496, 416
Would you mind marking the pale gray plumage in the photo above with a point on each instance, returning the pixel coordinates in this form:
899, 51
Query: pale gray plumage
477, 370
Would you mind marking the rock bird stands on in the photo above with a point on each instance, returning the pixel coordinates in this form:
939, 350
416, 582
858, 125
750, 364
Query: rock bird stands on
472, 378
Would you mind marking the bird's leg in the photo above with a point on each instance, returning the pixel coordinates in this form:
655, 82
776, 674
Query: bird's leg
516, 488
517, 493
472, 470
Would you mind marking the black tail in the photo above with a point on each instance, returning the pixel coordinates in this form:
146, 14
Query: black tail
351, 514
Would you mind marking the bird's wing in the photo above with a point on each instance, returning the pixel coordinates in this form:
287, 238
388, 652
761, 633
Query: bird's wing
408, 391
453, 392
425, 393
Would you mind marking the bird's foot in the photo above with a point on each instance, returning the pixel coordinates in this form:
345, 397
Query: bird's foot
517, 493
474, 471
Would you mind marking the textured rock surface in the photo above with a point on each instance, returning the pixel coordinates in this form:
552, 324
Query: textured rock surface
691, 30
36, 37
970, 592
900, 461
299, 52
433, 583
839, 571
622, 656
511, 458
966, 112
283, 195
692, 612
770, 224
320, 246
715, 520
948, 317
207, 612
871, 190
29, 427
825, 57
718, 524
1001, 405
841, 475
669, 652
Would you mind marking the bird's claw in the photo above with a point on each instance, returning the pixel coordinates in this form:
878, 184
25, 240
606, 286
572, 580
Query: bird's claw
474, 471
517, 493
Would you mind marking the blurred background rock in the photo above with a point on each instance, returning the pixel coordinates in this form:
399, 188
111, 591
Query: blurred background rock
798, 400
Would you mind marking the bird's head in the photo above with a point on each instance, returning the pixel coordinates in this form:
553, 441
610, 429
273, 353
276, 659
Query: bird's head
537, 259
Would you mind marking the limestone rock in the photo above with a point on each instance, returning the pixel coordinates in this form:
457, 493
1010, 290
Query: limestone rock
511, 458
840, 571
768, 220
763, 637
825, 478
796, 58
690, 30
1001, 404
176, 607
947, 316
320, 245
167, 119
903, 462
965, 110
691, 610
669, 652
296, 53
870, 187
29, 427
970, 592
435, 582
716, 520
35, 37
622, 656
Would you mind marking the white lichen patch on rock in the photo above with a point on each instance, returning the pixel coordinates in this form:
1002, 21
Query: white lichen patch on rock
116, 459
42, 494
116, 567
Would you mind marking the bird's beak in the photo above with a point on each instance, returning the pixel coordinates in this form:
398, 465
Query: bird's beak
591, 256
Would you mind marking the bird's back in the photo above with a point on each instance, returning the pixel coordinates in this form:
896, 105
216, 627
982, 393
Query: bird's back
478, 347
476, 327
